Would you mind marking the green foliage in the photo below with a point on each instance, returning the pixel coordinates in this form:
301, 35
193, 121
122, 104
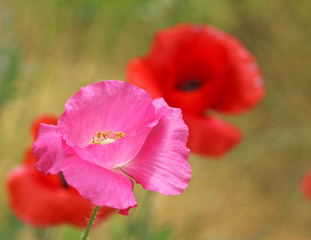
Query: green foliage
70, 233
9, 69
10, 57
10, 228
140, 225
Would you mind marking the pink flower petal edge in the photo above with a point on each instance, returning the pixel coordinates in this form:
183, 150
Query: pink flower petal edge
161, 165
101, 186
48, 149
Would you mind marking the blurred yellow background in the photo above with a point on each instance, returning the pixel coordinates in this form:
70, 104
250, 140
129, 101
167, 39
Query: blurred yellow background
50, 49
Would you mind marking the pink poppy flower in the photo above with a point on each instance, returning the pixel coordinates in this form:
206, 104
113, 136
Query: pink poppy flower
113, 128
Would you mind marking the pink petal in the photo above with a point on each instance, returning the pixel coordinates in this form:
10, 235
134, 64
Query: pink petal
99, 185
46, 118
48, 149
211, 136
162, 165
106, 105
111, 106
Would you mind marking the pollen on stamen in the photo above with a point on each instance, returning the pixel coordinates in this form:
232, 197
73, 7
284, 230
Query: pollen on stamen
104, 137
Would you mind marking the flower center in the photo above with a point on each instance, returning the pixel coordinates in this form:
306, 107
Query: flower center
190, 85
105, 137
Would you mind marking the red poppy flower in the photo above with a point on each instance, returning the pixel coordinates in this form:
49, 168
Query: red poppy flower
201, 70
41, 200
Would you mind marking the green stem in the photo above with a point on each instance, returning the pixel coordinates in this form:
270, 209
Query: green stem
89, 225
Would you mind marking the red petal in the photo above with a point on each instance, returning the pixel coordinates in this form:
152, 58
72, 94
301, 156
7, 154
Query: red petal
168, 42
306, 185
141, 73
188, 51
244, 84
47, 119
211, 136
36, 200
29, 158
188, 42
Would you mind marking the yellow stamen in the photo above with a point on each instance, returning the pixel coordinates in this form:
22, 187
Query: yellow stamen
104, 137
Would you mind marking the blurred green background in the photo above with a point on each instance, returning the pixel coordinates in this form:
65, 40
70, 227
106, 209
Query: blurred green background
49, 49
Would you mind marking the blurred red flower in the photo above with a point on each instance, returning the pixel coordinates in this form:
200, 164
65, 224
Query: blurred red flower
306, 185
41, 200
201, 70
